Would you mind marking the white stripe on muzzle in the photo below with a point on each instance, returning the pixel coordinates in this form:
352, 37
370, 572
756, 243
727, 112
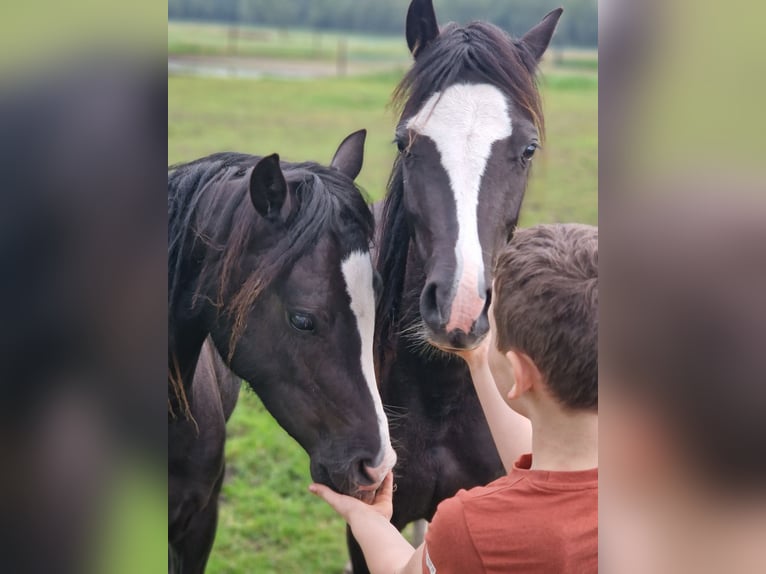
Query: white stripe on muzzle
357, 272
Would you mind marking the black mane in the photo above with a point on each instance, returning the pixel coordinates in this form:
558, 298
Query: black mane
393, 249
327, 202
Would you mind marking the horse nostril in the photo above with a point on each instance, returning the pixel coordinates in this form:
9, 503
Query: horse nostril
363, 469
429, 306
429, 296
481, 326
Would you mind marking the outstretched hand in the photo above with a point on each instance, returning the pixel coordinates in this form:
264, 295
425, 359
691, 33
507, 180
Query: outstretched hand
478, 355
346, 506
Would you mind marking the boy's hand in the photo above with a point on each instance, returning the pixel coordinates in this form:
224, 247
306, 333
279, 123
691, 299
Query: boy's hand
478, 355
346, 506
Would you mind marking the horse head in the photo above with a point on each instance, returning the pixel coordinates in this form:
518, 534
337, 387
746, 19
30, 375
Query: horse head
286, 290
471, 123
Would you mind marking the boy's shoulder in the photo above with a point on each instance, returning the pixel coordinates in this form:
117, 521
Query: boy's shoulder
523, 480
549, 519
531, 492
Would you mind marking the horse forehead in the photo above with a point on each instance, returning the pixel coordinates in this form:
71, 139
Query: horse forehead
464, 116
319, 270
330, 270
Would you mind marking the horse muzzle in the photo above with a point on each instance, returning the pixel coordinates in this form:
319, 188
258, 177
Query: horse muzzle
360, 478
455, 323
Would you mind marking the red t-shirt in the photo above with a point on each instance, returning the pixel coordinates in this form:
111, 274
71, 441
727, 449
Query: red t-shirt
530, 521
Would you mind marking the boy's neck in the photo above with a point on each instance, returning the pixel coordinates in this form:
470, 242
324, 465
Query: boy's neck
563, 440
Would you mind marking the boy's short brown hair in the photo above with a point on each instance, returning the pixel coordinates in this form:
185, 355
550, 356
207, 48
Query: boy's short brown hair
546, 306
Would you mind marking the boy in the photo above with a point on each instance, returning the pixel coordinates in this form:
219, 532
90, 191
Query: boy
542, 357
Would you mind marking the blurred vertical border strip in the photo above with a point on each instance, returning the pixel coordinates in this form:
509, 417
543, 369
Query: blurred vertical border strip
83, 131
682, 216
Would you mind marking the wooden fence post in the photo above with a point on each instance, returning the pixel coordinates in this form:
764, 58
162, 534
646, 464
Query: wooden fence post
342, 60
232, 47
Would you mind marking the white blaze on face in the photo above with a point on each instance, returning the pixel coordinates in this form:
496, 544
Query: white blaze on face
357, 272
464, 121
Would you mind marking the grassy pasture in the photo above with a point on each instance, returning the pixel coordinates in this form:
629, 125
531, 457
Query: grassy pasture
307, 119
269, 522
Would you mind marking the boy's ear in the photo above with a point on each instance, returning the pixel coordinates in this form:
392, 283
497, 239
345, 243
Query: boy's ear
525, 374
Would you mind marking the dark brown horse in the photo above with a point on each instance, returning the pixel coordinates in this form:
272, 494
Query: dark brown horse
270, 261
196, 462
471, 122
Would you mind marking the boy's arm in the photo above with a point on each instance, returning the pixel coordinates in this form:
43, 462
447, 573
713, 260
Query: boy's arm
385, 549
511, 431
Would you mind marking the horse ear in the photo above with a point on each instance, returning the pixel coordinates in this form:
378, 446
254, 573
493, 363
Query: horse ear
268, 187
538, 38
350, 155
421, 26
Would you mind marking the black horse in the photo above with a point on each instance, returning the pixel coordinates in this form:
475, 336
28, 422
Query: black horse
196, 462
271, 261
471, 122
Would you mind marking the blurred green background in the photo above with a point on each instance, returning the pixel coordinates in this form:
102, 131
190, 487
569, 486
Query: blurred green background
285, 91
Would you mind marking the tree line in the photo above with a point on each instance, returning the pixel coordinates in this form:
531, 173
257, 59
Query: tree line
578, 25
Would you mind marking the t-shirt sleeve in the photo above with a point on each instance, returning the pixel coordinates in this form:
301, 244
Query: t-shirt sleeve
449, 547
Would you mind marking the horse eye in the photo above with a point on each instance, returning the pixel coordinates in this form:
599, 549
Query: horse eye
301, 321
401, 146
529, 151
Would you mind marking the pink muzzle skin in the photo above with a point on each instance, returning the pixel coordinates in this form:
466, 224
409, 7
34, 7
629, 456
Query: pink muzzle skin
378, 473
467, 305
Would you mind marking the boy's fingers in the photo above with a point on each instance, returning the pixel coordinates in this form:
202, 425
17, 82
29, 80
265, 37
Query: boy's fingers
321, 491
477, 354
328, 495
387, 488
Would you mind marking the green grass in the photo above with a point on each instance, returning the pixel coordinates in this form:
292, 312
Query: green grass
301, 120
563, 185
307, 119
269, 523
